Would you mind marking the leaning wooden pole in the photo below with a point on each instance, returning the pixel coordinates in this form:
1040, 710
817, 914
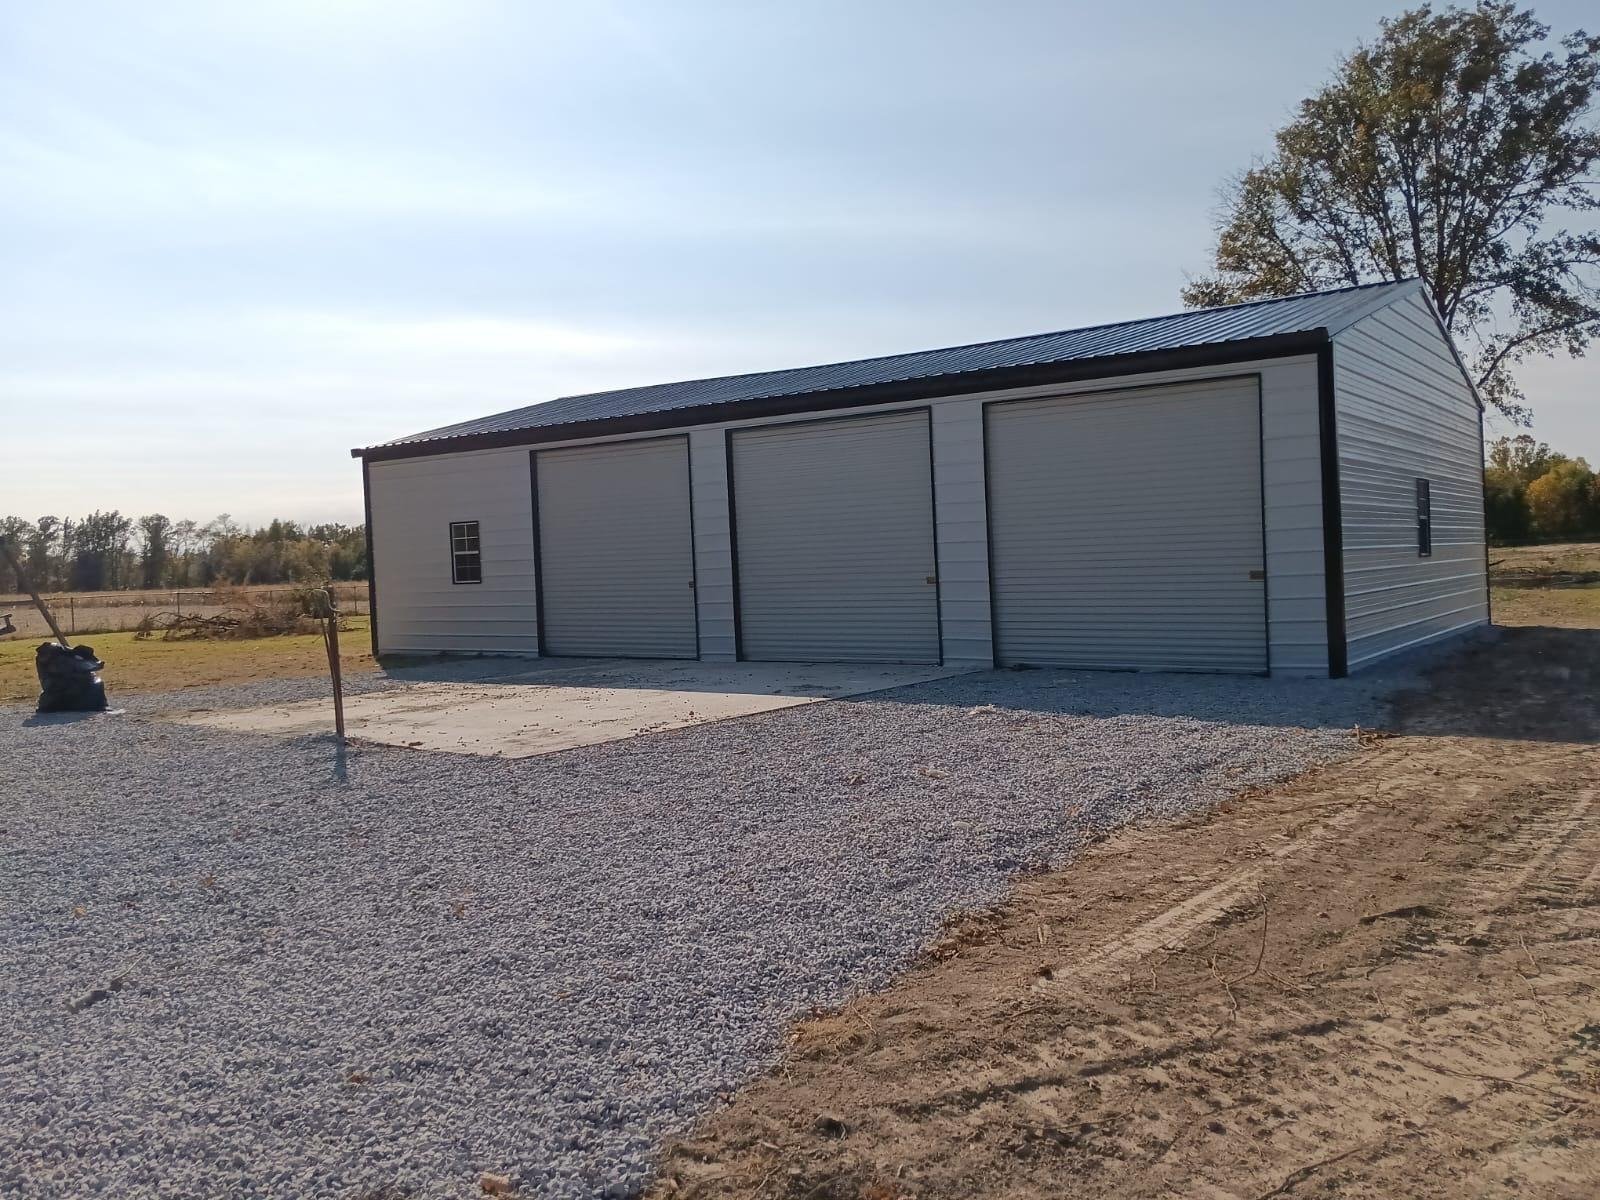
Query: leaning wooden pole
330, 639
338, 676
27, 585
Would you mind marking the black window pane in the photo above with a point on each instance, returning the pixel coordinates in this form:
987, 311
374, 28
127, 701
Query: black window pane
466, 561
1424, 518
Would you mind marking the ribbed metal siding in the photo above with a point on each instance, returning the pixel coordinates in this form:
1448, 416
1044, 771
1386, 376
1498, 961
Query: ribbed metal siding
1406, 412
834, 525
420, 609
1124, 529
616, 552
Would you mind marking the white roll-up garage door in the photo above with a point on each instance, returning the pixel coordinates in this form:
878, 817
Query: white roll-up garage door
1125, 529
834, 531
616, 549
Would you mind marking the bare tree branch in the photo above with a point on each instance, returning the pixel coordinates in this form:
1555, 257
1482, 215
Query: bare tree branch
1448, 148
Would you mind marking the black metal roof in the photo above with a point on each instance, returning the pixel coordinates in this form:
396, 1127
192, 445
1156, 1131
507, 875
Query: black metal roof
1271, 326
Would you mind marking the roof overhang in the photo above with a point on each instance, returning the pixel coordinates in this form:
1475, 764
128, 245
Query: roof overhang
900, 391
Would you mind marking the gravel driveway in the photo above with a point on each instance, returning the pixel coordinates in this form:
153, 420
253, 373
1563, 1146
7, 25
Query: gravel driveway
228, 972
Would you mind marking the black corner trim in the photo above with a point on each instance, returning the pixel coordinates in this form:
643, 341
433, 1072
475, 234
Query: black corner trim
1332, 517
1261, 483
988, 539
372, 566
694, 548
733, 547
538, 556
933, 536
1483, 503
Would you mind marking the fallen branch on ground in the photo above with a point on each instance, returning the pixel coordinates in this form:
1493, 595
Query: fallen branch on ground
246, 616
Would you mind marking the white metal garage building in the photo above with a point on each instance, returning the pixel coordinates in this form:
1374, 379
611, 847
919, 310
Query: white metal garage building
1292, 486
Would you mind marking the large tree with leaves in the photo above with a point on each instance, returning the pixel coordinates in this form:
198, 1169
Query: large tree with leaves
1457, 147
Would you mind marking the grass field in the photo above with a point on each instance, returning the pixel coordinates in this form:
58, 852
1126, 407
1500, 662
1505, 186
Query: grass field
1576, 607
1570, 558
156, 666
83, 613
1561, 608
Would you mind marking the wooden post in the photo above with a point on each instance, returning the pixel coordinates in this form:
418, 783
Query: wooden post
330, 638
27, 586
338, 676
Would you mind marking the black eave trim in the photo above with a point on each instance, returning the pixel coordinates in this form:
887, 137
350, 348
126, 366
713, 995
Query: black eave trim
1036, 375
372, 567
1332, 516
538, 560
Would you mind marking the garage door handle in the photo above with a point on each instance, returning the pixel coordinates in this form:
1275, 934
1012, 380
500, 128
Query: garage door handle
1258, 576
931, 579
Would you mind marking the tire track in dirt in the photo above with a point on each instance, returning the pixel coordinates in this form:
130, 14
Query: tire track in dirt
1401, 998
1175, 926
1554, 849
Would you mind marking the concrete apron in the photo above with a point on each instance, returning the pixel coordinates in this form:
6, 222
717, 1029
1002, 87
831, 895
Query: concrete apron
558, 707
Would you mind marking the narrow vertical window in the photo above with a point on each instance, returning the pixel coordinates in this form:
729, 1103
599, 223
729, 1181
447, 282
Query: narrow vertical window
466, 558
1424, 520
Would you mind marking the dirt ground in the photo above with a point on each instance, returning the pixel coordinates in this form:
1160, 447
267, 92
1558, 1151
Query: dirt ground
1564, 607
1378, 980
153, 665
1559, 558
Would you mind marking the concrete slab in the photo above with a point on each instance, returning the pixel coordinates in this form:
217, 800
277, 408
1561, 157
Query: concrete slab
558, 706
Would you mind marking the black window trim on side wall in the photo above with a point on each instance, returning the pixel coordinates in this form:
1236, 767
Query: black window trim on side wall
1424, 518
470, 529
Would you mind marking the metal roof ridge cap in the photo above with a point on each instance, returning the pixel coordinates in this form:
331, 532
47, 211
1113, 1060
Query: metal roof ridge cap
1397, 290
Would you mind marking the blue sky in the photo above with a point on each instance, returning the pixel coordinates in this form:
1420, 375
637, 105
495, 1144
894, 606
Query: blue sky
240, 239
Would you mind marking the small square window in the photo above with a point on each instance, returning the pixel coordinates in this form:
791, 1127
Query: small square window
466, 557
1424, 520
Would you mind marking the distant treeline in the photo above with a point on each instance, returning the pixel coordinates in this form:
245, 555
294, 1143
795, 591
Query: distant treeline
107, 551
1533, 493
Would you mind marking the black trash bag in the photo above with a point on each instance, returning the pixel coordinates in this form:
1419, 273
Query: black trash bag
69, 680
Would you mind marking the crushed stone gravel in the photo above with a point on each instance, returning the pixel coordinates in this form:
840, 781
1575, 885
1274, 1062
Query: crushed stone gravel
233, 968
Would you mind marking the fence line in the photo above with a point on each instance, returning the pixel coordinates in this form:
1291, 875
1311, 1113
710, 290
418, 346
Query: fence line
108, 612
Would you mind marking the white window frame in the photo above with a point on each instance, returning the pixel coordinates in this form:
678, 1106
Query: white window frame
466, 547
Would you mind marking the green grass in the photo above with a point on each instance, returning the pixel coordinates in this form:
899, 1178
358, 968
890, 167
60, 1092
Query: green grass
157, 666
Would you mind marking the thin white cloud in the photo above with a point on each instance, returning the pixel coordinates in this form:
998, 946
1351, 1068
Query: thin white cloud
126, 180
241, 239
423, 337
